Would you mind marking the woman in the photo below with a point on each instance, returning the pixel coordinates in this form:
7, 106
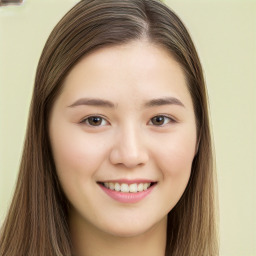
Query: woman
117, 156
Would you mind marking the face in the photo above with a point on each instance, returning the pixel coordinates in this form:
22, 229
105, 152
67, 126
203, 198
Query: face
123, 137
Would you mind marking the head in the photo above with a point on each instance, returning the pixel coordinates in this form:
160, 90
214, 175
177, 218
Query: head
90, 29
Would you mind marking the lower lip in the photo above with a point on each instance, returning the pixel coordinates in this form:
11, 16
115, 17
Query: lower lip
127, 197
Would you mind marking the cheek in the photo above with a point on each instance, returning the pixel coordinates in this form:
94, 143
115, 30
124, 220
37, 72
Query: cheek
176, 152
174, 158
77, 158
76, 155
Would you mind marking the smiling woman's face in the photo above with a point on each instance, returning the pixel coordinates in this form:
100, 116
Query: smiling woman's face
124, 120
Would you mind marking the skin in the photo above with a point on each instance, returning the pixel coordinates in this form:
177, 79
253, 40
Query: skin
126, 145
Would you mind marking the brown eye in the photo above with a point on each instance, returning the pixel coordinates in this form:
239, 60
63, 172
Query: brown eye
160, 120
95, 121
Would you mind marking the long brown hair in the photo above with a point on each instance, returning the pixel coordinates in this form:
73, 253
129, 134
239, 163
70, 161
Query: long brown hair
36, 223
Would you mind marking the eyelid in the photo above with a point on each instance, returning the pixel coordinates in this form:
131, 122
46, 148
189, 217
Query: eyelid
171, 118
83, 121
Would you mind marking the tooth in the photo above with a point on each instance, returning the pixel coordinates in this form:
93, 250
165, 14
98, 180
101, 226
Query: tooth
125, 188
146, 186
111, 186
133, 188
117, 187
140, 187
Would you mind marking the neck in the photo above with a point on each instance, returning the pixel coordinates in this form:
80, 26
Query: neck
90, 241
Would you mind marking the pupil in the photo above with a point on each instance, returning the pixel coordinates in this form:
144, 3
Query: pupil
158, 120
95, 120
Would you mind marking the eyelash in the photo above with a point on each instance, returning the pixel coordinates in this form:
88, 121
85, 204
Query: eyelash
166, 117
86, 121
170, 120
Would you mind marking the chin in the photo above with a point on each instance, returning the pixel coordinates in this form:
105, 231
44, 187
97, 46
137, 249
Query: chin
135, 229
128, 233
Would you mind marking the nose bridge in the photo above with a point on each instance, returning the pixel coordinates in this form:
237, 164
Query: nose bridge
129, 147
130, 140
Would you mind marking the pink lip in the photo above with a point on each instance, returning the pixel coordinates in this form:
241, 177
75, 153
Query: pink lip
127, 197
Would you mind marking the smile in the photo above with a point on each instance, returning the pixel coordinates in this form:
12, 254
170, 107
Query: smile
127, 192
127, 188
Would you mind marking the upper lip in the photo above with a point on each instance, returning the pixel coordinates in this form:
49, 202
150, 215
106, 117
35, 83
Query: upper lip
128, 181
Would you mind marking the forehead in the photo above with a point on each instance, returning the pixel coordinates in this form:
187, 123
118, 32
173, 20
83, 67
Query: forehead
137, 70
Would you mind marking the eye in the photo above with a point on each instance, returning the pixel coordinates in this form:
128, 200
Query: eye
95, 121
161, 120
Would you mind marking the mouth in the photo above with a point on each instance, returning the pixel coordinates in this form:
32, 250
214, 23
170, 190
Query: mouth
126, 191
123, 187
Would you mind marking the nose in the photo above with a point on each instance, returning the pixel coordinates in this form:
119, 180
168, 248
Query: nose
128, 149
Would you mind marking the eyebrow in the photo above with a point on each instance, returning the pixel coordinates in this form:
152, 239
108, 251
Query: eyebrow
164, 101
109, 104
92, 102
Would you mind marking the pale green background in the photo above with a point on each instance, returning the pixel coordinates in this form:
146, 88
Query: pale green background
224, 33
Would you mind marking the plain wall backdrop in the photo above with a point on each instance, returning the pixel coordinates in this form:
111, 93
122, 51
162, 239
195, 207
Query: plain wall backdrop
224, 32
